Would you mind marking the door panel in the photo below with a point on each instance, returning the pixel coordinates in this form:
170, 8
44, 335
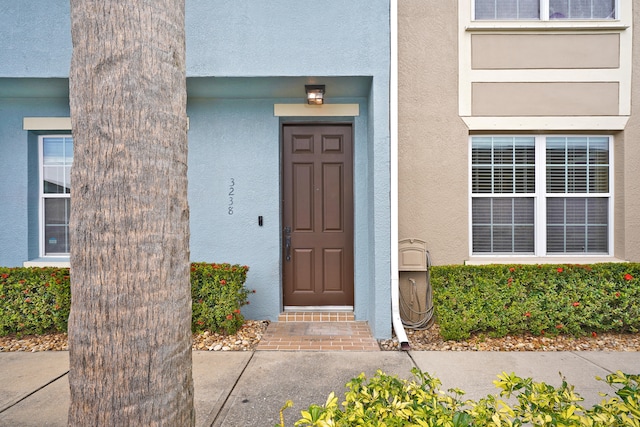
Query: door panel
332, 268
303, 197
332, 202
318, 215
303, 273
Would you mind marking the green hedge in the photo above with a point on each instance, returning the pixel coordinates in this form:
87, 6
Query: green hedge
34, 300
218, 293
539, 299
37, 300
497, 300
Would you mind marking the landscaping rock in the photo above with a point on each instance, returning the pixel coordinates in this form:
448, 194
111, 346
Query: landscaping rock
431, 340
247, 338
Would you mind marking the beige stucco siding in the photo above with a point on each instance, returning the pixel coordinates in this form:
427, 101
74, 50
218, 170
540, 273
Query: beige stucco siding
545, 99
547, 78
627, 159
544, 51
433, 140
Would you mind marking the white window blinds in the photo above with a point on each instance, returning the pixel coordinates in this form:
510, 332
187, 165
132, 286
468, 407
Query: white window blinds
577, 168
544, 9
541, 195
503, 167
582, 9
507, 9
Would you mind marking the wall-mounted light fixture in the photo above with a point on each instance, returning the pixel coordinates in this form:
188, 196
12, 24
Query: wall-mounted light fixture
315, 94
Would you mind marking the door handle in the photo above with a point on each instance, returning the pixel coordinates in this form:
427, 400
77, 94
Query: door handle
287, 243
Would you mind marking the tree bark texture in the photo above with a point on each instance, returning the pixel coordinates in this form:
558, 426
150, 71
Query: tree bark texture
130, 322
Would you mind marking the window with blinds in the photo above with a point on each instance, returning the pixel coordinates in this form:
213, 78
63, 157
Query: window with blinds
503, 188
562, 194
544, 9
577, 170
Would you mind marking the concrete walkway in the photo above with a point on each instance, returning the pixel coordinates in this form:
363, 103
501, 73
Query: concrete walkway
248, 388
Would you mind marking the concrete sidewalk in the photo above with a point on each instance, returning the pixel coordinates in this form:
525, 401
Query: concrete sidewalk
248, 388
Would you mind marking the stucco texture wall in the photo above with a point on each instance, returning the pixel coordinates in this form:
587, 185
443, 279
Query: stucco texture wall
233, 149
433, 140
628, 158
234, 144
224, 38
286, 38
36, 38
233, 132
19, 194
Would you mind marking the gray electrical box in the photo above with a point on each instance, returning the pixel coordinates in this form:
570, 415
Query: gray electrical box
412, 255
416, 307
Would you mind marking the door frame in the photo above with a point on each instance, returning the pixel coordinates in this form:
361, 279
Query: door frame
294, 122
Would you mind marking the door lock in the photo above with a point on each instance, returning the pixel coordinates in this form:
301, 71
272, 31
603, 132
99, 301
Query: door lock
287, 243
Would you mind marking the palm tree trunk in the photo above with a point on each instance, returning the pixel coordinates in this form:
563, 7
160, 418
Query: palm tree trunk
129, 328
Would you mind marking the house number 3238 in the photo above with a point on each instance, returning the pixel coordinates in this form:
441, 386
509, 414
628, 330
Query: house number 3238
232, 184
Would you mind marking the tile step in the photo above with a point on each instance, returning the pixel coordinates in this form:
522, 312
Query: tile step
316, 316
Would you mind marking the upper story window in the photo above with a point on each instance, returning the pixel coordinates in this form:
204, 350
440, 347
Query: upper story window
56, 157
544, 9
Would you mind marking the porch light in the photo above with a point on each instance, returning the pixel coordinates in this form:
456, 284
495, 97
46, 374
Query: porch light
315, 94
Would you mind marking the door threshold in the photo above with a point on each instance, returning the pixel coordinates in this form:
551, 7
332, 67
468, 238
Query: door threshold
318, 308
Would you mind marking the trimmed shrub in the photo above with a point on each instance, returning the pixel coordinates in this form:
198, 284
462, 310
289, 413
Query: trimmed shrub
34, 300
218, 293
539, 299
37, 300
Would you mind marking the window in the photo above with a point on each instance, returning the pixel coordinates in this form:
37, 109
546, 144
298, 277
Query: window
56, 157
540, 195
544, 9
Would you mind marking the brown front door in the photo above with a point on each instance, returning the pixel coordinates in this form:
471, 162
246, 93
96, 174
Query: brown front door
318, 215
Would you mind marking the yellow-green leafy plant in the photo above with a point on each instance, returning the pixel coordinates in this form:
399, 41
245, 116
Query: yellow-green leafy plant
388, 401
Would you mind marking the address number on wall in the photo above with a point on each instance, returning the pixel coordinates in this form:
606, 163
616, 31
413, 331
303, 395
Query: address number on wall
232, 190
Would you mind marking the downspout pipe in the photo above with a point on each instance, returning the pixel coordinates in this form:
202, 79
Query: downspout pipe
398, 327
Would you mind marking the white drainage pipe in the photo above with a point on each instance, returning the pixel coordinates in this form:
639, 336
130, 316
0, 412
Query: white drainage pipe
398, 327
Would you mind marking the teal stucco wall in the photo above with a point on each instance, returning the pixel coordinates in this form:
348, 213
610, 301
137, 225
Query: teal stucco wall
243, 56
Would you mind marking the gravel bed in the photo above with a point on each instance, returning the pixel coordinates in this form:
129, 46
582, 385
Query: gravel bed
248, 337
431, 340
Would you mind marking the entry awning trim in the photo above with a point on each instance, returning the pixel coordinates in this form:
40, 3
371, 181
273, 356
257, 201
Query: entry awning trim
46, 123
325, 110
52, 123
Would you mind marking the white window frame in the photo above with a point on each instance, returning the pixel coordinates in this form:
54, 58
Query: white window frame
540, 201
42, 196
544, 14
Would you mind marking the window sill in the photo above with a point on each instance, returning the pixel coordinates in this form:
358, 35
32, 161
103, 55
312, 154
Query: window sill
62, 262
551, 123
595, 259
478, 26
